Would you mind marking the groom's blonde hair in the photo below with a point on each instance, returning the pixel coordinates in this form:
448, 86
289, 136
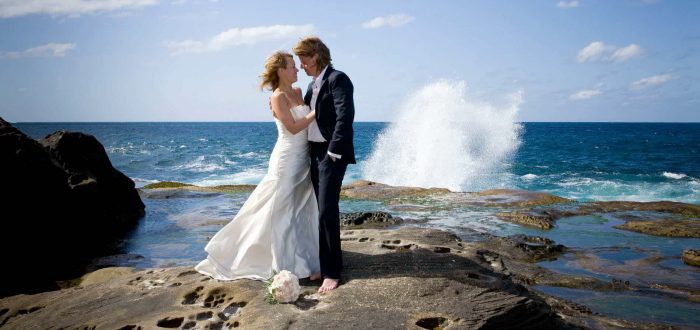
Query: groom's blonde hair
269, 78
308, 46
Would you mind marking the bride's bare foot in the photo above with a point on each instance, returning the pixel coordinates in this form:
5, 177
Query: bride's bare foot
315, 276
328, 285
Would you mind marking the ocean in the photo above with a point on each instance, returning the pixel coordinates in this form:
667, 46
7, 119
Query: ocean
583, 161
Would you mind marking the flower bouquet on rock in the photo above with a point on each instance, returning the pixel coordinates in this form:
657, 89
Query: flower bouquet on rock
282, 287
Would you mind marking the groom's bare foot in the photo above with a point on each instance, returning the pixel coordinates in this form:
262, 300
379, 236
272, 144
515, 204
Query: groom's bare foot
315, 276
328, 285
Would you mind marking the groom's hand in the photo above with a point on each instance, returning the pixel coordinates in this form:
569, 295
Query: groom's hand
332, 158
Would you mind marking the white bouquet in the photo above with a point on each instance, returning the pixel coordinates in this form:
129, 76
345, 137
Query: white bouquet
283, 287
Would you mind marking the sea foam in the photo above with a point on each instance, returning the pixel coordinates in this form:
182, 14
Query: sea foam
442, 138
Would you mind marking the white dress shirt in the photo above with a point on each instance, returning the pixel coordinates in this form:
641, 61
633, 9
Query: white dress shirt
314, 132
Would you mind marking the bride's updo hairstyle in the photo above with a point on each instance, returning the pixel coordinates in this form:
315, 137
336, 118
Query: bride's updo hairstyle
269, 78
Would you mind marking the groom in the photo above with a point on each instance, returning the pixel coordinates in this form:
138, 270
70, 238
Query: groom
330, 139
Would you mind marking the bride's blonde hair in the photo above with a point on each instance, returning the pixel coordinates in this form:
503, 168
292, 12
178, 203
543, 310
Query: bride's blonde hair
269, 78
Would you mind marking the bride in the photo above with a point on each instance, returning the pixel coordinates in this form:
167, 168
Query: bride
277, 227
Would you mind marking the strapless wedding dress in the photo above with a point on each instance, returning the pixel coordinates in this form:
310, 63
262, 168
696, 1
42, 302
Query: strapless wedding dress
277, 227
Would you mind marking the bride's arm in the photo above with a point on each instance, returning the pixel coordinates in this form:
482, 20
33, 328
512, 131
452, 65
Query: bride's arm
281, 109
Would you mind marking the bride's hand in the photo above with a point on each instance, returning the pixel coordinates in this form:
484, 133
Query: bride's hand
311, 115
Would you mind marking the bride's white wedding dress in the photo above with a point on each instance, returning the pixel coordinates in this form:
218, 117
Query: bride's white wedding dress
277, 227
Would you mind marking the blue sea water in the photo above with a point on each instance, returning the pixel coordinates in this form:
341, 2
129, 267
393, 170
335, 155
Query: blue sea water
583, 161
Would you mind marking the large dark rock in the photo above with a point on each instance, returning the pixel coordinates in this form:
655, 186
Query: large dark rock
62, 204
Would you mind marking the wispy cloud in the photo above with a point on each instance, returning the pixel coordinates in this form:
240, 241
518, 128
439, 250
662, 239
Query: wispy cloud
584, 94
598, 51
15, 8
390, 21
567, 4
651, 81
48, 50
238, 37
625, 53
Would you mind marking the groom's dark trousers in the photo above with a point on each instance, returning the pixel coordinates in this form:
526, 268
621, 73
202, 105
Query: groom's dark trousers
327, 178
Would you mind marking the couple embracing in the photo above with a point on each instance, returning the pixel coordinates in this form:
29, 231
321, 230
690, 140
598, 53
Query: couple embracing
291, 220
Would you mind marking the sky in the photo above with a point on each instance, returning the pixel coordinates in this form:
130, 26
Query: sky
200, 60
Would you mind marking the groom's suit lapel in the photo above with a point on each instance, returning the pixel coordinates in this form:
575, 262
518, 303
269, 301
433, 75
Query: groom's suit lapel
309, 94
324, 82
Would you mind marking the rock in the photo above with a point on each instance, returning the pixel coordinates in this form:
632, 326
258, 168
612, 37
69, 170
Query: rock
519, 198
369, 190
665, 227
101, 191
105, 275
406, 278
63, 203
524, 248
542, 220
686, 210
166, 184
170, 193
170, 185
363, 189
691, 257
368, 219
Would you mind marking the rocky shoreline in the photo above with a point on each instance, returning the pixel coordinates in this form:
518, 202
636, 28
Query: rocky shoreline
414, 278
396, 276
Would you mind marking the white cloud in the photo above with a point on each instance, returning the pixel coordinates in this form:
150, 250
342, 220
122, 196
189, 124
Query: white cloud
651, 81
594, 51
584, 94
567, 4
625, 53
238, 37
15, 8
48, 50
598, 51
391, 21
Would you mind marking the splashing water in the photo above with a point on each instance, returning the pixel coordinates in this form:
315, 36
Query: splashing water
443, 139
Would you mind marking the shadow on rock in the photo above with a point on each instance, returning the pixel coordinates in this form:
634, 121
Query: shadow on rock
63, 204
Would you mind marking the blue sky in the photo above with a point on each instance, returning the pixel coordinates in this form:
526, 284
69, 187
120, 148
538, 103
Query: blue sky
199, 60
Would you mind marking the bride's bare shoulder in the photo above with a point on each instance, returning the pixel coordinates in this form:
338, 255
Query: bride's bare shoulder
278, 95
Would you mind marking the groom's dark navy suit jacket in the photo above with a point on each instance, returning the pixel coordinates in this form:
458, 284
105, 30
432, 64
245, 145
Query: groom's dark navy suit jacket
335, 112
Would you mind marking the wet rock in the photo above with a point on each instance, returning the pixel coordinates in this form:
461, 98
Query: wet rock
691, 257
665, 227
170, 188
541, 220
368, 219
363, 189
520, 198
166, 184
171, 193
524, 248
686, 210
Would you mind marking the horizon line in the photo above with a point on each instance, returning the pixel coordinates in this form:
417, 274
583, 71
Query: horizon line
255, 122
